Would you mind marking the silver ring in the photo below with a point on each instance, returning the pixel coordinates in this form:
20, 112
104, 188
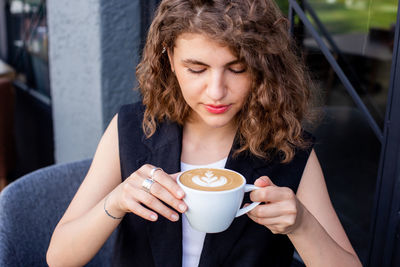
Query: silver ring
147, 183
153, 171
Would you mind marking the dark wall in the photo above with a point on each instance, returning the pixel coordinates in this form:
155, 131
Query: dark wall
34, 144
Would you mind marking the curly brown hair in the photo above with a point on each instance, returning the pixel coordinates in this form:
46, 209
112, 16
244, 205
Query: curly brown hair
257, 33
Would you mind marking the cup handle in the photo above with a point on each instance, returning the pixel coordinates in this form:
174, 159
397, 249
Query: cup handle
248, 188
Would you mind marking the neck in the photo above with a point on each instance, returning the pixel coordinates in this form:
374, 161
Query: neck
202, 133
204, 145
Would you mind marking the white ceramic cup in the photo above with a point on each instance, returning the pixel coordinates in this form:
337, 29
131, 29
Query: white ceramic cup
214, 211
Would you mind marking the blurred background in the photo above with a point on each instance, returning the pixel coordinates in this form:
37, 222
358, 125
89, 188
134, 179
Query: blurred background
66, 67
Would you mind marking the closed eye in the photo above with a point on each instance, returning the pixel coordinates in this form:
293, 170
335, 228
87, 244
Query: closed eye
196, 71
237, 71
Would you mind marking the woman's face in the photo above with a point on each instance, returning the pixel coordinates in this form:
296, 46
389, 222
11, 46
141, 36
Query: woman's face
214, 83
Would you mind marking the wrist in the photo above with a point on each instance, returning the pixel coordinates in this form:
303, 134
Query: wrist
111, 210
302, 220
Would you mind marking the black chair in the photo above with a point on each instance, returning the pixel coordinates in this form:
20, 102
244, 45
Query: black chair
31, 207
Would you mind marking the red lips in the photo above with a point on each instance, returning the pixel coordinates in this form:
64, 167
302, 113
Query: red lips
217, 109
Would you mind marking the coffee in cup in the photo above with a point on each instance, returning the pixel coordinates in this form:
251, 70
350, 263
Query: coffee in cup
211, 179
214, 197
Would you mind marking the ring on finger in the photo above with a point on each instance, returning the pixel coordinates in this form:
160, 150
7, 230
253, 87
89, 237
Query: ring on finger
147, 183
152, 172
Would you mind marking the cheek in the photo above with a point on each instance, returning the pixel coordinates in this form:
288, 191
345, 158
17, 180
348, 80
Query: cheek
242, 79
188, 89
189, 85
242, 88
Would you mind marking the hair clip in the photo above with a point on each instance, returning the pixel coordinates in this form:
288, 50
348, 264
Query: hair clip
163, 50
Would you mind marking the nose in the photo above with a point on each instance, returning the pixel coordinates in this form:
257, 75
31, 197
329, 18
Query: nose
216, 87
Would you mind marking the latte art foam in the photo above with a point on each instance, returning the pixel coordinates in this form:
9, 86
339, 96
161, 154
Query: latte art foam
211, 179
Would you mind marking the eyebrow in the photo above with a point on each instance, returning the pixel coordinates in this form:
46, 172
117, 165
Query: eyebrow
197, 62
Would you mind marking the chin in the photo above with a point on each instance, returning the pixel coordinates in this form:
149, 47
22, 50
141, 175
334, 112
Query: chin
218, 123
215, 120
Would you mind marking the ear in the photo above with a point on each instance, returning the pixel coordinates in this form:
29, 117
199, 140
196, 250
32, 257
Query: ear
170, 58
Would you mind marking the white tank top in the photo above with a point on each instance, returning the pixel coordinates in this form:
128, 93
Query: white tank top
193, 240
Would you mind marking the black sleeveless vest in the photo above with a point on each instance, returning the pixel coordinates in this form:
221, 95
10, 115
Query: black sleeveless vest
244, 243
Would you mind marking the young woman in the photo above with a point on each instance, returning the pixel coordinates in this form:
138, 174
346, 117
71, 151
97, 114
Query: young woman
221, 87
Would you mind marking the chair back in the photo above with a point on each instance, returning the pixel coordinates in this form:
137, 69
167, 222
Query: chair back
30, 209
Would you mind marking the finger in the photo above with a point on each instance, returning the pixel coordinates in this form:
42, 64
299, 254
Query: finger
162, 193
269, 210
158, 191
263, 181
168, 182
155, 204
141, 211
268, 222
272, 194
281, 224
280, 219
133, 190
175, 175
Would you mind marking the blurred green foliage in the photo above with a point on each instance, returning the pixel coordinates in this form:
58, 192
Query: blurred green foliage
283, 5
344, 16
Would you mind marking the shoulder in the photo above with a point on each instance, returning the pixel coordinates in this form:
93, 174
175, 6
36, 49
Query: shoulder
131, 111
303, 153
308, 136
308, 142
129, 124
130, 116
289, 174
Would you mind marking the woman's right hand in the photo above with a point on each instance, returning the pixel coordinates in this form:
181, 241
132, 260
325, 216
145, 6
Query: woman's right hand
130, 196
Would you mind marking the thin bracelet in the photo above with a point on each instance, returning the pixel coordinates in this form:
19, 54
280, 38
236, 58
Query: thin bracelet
109, 215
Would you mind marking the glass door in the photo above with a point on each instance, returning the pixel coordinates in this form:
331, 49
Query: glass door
349, 47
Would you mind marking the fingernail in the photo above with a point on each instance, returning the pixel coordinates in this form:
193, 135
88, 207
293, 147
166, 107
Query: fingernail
180, 193
153, 217
182, 207
174, 217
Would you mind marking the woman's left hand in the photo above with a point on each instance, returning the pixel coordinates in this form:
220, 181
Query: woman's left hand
281, 211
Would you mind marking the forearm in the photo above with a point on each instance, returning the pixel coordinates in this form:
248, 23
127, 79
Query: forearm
316, 247
76, 242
